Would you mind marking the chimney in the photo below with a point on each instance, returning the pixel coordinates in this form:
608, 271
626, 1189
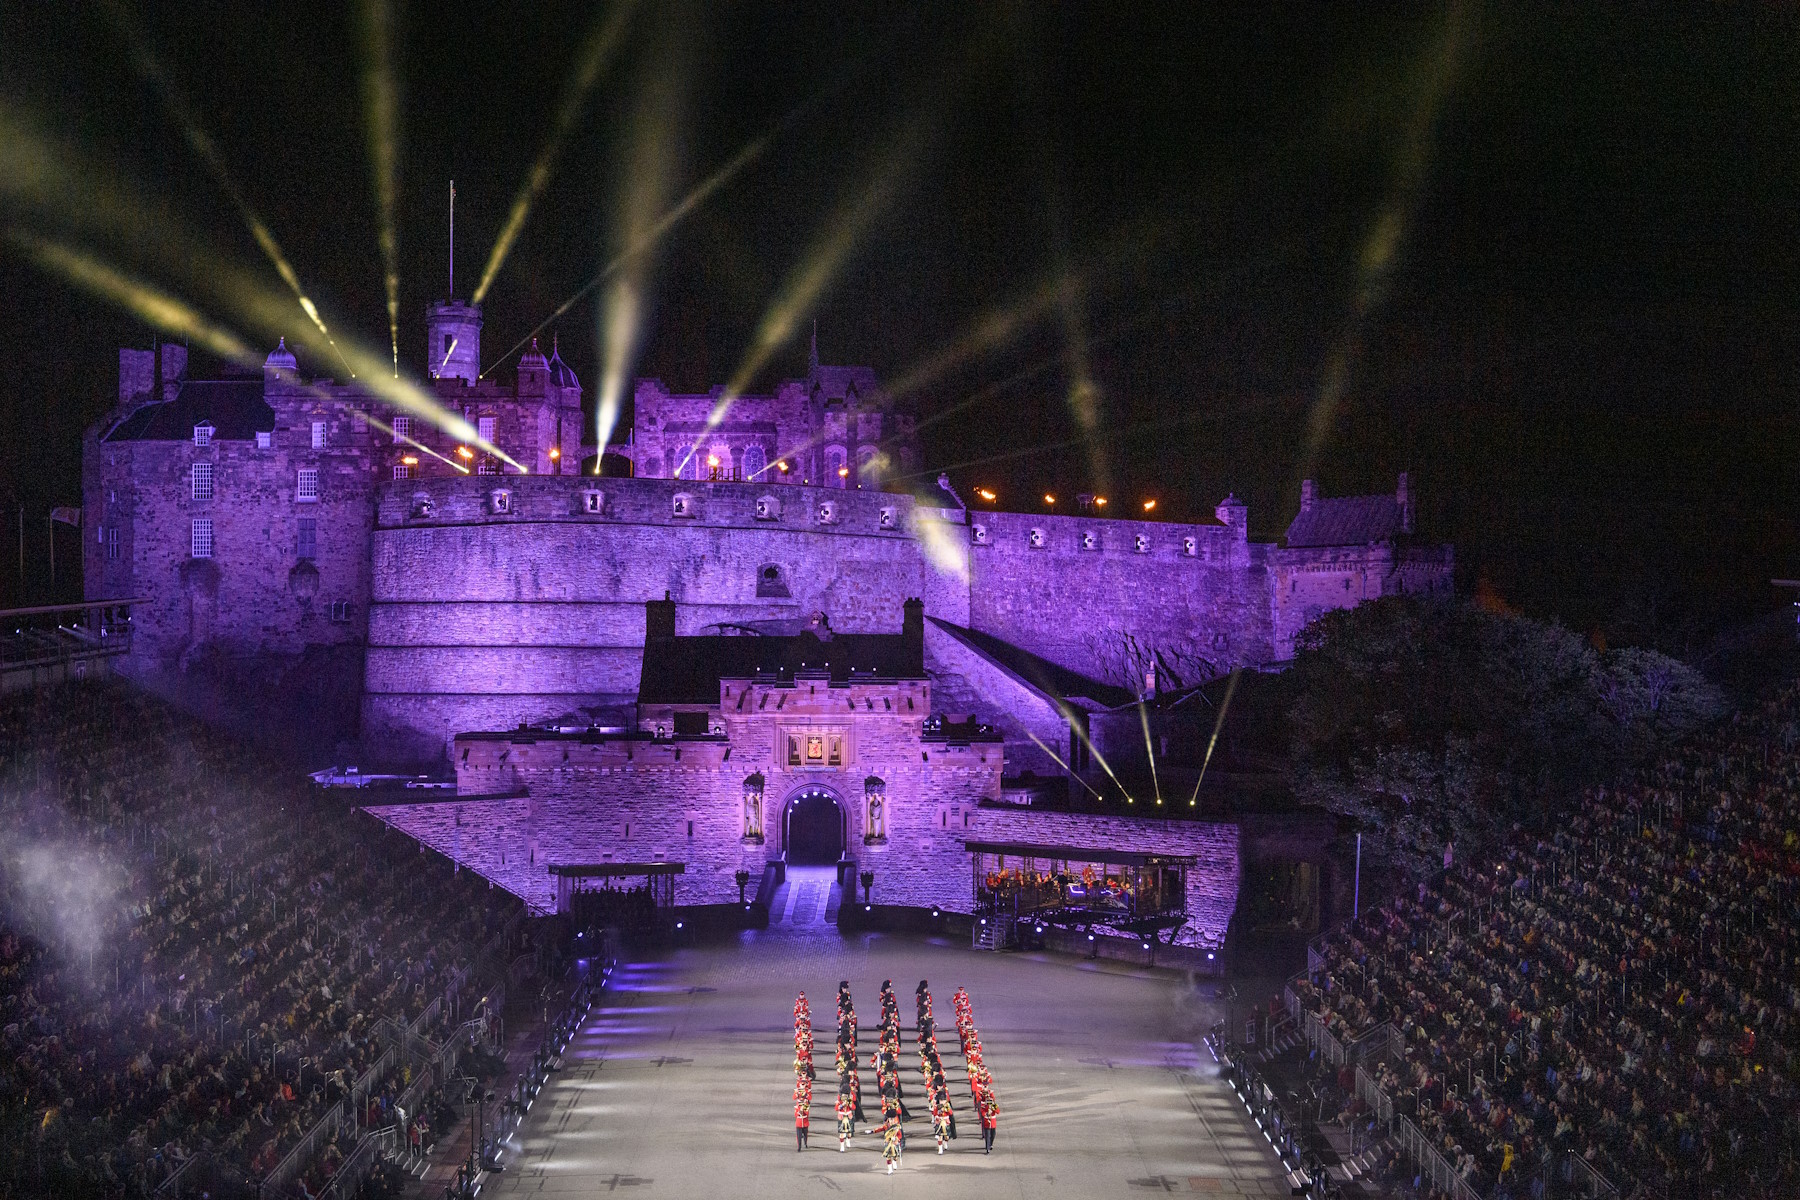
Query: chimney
659, 618
912, 631
1306, 494
137, 376
174, 369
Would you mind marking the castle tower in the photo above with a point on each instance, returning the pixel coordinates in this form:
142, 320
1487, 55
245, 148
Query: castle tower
453, 340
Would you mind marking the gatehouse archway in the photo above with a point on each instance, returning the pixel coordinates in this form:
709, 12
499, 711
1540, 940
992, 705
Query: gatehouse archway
813, 827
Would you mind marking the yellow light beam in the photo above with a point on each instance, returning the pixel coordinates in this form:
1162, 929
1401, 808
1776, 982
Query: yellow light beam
669, 220
817, 269
596, 52
1065, 766
1381, 246
150, 69
58, 182
1144, 718
645, 186
168, 313
381, 104
994, 329
1218, 723
378, 423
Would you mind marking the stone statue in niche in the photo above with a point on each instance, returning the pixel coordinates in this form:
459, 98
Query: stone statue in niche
875, 811
753, 809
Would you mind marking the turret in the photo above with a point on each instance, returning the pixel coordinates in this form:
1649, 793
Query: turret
453, 340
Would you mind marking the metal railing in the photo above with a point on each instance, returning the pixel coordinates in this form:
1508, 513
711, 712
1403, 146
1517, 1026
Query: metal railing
1371, 1094
1432, 1164
357, 1167
177, 1184
276, 1182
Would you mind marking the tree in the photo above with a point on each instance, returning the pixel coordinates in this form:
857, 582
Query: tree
1434, 721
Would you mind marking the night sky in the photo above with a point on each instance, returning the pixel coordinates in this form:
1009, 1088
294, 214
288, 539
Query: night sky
1545, 260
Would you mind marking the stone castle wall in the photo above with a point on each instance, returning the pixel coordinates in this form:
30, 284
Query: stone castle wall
1090, 594
481, 619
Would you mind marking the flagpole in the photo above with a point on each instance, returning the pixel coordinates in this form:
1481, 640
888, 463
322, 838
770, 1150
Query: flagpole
53, 556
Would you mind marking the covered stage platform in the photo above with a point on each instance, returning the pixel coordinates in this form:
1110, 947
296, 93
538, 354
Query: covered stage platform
1080, 888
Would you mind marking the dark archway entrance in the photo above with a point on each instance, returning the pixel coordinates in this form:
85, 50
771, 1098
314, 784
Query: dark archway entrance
814, 828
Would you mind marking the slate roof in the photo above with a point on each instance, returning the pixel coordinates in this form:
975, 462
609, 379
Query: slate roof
836, 383
1347, 521
1041, 673
234, 406
687, 670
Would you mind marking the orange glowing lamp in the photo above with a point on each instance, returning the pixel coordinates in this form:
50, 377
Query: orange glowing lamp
464, 452
555, 453
1049, 499
1149, 506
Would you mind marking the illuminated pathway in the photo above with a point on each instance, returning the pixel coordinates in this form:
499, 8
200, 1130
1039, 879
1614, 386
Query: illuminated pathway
681, 1083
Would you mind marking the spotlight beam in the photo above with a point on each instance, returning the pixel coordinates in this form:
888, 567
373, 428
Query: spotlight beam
1144, 719
152, 305
381, 102
60, 184
1218, 723
1057, 759
150, 69
1380, 251
816, 270
693, 200
602, 41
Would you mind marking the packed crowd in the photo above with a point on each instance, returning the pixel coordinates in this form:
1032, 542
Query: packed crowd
885, 1061
1625, 989
197, 955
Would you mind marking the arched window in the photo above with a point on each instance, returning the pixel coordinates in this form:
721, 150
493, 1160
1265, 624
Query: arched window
754, 461
835, 473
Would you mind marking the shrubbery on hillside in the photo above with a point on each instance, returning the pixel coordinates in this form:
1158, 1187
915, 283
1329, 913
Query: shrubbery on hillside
1433, 721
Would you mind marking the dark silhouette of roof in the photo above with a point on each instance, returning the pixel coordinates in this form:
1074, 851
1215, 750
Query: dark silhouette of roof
235, 407
1040, 673
687, 670
1347, 521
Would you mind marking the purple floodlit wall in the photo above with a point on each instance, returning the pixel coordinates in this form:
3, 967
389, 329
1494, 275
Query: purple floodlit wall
644, 801
1100, 596
487, 613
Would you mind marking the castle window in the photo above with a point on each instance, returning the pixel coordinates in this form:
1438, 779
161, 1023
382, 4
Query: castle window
203, 433
487, 466
755, 460
306, 487
836, 757
793, 751
979, 535
203, 481
402, 428
1190, 546
264, 439
484, 429
836, 473
340, 611
112, 541
500, 501
683, 505
318, 435
890, 518
593, 503
306, 541
202, 543
768, 508
402, 471
771, 583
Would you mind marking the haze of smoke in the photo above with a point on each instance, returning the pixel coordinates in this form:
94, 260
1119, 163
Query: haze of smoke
67, 892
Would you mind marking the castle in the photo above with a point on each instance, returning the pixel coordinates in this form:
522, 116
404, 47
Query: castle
465, 590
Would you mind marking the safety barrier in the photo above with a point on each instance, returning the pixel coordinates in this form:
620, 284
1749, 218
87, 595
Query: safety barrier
1432, 1164
276, 1182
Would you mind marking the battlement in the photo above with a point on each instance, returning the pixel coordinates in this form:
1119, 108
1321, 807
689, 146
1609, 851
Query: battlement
677, 503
